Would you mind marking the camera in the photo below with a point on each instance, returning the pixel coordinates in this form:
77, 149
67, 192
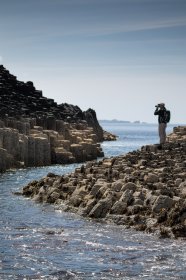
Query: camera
157, 105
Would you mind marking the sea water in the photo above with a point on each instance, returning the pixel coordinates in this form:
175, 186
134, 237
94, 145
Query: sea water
39, 242
131, 136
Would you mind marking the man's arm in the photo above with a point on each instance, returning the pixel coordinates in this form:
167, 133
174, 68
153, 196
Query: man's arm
156, 111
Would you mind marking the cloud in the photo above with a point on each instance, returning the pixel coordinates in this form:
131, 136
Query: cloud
110, 28
114, 28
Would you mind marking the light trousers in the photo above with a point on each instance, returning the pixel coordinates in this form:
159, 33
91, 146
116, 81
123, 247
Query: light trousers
162, 132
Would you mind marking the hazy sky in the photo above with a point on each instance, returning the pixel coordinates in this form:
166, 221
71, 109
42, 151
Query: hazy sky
119, 57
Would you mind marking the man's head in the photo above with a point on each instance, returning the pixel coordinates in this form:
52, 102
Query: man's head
162, 105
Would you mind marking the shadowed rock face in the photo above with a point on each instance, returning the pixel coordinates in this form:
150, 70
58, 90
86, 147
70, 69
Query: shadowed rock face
36, 131
144, 189
19, 99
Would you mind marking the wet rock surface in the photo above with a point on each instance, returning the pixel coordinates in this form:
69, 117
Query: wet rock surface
144, 189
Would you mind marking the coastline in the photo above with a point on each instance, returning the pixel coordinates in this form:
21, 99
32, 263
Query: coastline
36, 131
144, 189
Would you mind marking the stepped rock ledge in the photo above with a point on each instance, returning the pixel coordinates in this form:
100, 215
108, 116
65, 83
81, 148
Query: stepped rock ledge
36, 131
144, 189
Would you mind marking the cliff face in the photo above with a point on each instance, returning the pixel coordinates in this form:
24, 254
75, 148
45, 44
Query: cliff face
35, 130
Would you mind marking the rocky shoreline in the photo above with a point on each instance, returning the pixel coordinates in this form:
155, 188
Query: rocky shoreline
36, 131
144, 189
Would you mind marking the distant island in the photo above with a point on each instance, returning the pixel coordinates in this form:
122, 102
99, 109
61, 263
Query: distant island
119, 121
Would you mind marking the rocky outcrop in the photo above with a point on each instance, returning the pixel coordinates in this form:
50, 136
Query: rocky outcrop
36, 131
144, 189
23, 144
108, 136
90, 117
19, 99
178, 134
22, 99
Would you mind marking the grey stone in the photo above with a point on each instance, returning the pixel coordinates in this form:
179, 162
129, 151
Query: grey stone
162, 202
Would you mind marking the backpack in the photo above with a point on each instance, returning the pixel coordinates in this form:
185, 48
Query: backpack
167, 116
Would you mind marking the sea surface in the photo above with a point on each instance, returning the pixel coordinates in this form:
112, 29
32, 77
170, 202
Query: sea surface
39, 242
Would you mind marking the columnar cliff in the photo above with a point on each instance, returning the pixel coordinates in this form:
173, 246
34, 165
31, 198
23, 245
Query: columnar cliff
144, 189
36, 131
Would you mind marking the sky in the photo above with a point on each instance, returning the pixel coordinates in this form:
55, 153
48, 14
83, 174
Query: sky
118, 57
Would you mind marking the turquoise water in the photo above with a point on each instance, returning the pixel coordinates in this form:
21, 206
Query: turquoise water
39, 242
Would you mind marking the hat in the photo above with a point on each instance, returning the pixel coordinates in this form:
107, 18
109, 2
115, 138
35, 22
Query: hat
162, 104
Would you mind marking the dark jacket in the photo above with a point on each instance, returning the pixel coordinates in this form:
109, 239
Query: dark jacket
161, 114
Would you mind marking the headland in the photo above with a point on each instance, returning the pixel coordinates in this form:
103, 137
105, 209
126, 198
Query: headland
36, 131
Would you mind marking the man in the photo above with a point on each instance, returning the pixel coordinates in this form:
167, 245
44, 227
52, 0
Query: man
162, 120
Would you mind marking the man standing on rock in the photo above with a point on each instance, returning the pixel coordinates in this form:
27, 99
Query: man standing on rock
163, 119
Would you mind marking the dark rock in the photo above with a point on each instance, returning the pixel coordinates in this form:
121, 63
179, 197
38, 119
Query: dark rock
19, 99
